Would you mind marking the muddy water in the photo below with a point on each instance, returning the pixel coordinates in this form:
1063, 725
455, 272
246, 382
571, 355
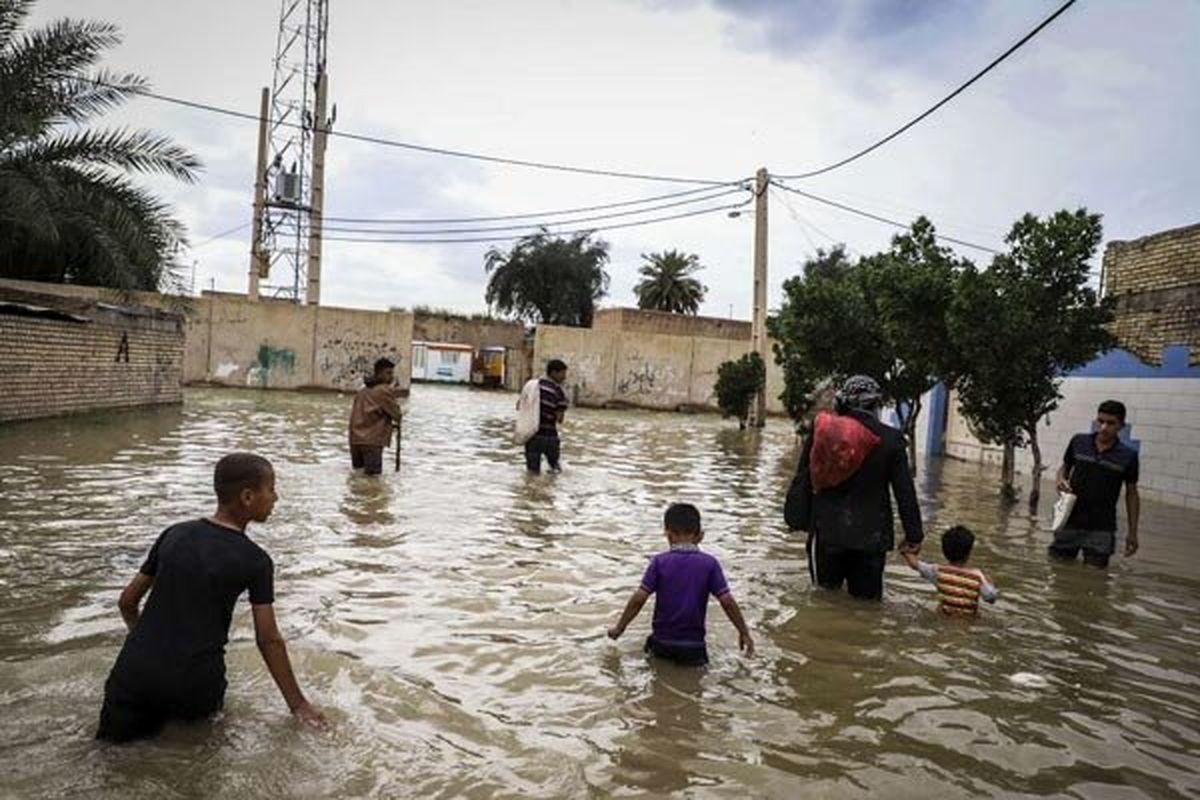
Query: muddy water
451, 620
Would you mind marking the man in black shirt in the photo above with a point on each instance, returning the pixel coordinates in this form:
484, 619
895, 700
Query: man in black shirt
1095, 467
553, 409
850, 527
172, 665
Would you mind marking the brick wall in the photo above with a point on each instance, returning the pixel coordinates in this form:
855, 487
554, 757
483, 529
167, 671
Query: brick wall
1155, 282
76, 356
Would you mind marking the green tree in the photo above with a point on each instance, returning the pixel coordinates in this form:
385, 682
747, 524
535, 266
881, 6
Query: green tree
548, 279
737, 384
882, 316
801, 378
1021, 325
68, 209
667, 283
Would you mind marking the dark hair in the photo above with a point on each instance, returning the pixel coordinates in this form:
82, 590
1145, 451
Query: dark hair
1114, 407
957, 543
384, 363
682, 518
555, 365
238, 471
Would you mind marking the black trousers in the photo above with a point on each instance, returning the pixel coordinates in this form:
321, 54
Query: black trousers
684, 655
368, 459
141, 695
860, 570
538, 446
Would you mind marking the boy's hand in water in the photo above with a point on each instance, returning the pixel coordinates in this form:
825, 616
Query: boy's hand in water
310, 716
746, 643
614, 632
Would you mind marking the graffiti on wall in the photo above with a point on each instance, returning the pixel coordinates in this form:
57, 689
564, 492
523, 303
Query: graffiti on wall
639, 380
344, 362
270, 359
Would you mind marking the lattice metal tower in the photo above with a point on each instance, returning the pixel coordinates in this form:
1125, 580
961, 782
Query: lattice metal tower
296, 114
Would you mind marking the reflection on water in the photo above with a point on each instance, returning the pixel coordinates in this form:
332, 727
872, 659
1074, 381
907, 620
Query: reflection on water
452, 618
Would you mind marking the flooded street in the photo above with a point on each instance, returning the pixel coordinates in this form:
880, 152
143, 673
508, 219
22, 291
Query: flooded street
451, 621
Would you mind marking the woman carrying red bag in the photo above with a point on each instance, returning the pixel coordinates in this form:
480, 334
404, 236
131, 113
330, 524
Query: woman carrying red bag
841, 497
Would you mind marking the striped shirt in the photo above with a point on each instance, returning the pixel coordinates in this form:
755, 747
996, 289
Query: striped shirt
554, 401
959, 588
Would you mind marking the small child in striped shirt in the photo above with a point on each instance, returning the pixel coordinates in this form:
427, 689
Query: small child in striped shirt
959, 587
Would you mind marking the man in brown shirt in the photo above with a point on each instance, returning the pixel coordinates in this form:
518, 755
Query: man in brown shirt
371, 419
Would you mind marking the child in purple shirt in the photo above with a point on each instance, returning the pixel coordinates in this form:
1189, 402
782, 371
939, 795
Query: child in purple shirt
683, 578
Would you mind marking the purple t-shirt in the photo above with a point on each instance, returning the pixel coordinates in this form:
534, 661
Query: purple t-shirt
682, 578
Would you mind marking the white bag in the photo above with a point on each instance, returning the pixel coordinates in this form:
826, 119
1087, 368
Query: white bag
529, 411
1062, 510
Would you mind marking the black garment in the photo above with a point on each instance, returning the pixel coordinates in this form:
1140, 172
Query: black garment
693, 655
539, 445
1097, 546
1096, 479
172, 665
554, 401
368, 459
857, 513
860, 570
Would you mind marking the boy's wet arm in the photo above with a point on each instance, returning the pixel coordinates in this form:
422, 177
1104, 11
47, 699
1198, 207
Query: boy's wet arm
131, 598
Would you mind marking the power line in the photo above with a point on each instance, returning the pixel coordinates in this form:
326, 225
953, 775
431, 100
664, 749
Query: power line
808, 223
538, 224
420, 148
597, 229
963, 87
528, 215
878, 218
220, 235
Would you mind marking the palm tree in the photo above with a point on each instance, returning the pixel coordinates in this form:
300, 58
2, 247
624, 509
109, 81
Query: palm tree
68, 210
667, 284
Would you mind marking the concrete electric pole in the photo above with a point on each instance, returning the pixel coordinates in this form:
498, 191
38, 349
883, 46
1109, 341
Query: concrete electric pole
258, 259
758, 330
317, 198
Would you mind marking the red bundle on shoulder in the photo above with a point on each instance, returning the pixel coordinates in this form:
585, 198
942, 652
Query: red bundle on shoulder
840, 446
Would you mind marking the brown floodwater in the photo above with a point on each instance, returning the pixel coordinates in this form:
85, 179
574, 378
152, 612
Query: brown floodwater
451, 620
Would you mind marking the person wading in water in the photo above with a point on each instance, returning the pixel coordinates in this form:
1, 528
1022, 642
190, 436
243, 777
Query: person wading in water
374, 414
840, 494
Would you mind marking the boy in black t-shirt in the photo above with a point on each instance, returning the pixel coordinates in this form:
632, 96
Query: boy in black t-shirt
1095, 467
172, 665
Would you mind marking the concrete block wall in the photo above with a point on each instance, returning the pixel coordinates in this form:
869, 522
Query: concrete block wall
1163, 422
106, 358
230, 341
644, 370
278, 345
636, 319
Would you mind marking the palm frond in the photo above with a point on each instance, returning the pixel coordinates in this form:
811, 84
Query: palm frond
138, 151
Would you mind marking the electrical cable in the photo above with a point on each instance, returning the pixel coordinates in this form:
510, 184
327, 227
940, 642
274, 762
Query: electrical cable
805, 222
528, 215
466, 240
915, 120
527, 225
420, 148
878, 218
220, 235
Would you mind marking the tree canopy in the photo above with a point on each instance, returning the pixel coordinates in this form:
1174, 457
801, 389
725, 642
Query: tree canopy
882, 315
548, 279
1022, 324
737, 383
667, 283
69, 211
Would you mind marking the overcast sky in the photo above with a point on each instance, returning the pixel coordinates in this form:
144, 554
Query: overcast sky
1100, 110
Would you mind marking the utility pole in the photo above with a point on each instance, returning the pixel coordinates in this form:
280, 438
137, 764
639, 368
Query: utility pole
317, 199
259, 261
758, 329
